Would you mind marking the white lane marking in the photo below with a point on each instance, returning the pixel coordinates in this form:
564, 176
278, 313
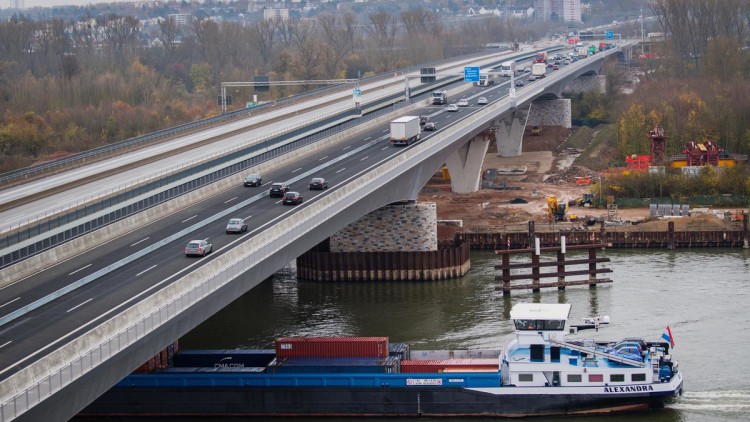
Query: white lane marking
296, 170
346, 147
386, 131
6, 343
279, 201
323, 158
230, 200
366, 157
368, 138
341, 170
142, 240
8, 303
385, 148
247, 218
188, 219
147, 269
79, 305
83, 268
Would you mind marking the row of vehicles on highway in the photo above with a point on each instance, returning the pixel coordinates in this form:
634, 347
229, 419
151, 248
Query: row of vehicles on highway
238, 225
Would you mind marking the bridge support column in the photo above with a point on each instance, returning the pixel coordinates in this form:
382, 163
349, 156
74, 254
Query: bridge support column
408, 226
395, 242
509, 134
465, 165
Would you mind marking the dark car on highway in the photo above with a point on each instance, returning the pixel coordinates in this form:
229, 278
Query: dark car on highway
318, 183
278, 190
430, 126
423, 120
253, 180
292, 198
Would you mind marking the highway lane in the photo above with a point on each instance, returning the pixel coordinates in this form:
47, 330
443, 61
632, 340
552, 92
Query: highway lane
75, 312
177, 159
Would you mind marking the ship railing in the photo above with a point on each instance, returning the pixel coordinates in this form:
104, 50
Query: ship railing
594, 352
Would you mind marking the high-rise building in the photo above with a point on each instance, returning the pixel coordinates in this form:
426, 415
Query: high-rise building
542, 10
571, 10
557, 10
17, 4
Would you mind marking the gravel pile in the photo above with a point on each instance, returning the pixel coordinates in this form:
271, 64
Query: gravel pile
569, 175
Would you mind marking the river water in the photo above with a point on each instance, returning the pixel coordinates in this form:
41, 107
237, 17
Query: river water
702, 295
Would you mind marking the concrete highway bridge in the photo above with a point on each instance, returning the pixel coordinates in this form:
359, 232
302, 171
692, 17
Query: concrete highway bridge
94, 278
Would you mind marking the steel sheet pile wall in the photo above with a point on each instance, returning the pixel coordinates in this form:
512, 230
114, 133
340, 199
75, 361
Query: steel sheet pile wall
614, 239
447, 262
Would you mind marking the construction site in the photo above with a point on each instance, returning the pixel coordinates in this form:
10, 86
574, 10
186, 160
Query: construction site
546, 186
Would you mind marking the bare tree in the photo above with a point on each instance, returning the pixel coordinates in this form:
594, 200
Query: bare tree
170, 33
17, 42
121, 34
263, 37
335, 36
383, 30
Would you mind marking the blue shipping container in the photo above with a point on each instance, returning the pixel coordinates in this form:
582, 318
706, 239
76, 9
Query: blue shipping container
338, 365
216, 370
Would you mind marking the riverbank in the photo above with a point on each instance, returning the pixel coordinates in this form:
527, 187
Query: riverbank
515, 191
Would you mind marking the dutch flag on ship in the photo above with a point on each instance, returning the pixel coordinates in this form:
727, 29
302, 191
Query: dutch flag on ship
667, 336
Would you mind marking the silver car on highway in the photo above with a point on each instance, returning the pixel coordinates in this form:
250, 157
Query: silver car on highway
198, 247
236, 225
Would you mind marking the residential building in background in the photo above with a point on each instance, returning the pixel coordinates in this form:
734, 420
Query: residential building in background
276, 13
557, 10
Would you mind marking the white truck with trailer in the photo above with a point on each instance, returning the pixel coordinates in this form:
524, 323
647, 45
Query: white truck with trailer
405, 130
539, 70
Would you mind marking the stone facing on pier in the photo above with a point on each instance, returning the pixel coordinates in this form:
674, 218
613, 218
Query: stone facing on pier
409, 227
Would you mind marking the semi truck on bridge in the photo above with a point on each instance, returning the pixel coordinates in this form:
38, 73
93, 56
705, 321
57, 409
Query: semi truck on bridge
439, 97
405, 130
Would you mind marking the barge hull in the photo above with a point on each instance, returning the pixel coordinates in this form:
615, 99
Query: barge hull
372, 401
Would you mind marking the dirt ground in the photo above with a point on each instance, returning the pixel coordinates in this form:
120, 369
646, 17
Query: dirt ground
518, 193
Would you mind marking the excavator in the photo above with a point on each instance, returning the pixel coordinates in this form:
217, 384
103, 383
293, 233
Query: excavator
555, 210
586, 200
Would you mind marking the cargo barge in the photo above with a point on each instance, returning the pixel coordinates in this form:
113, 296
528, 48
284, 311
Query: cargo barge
540, 373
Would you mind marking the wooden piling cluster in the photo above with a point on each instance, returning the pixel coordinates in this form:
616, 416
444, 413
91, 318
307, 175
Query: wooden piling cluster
560, 273
449, 261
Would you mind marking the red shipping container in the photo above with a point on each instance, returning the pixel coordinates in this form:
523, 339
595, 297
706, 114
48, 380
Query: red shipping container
148, 367
323, 347
453, 365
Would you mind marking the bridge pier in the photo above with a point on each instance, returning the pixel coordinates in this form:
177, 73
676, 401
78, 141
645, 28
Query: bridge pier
509, 134
465, 165
393, 243
555, 112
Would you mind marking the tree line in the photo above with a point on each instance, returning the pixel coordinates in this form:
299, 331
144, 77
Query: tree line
71, 86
